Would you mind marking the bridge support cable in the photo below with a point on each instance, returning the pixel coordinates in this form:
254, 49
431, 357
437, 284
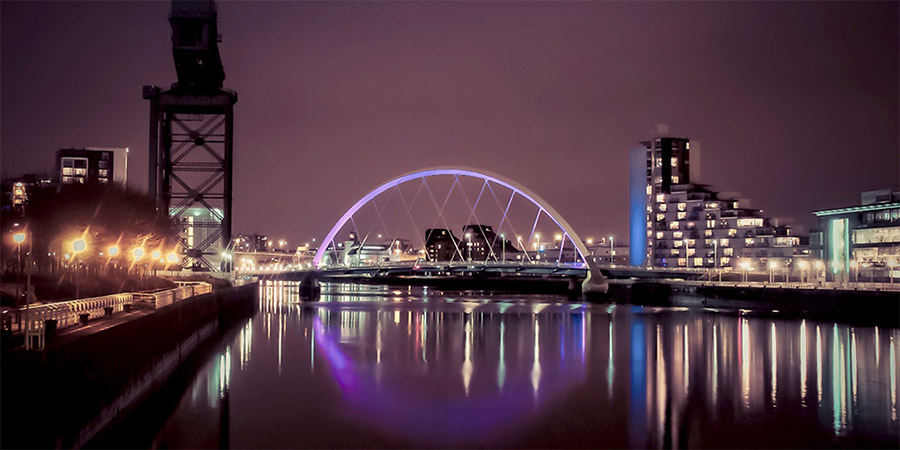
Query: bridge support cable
408, 213
505, 211
472, 212
533, 227
441, 212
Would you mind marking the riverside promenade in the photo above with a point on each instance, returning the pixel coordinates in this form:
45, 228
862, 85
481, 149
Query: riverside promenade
87, 375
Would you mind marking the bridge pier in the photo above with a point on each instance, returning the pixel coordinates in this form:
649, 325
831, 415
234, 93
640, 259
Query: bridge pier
595, 283
309, 285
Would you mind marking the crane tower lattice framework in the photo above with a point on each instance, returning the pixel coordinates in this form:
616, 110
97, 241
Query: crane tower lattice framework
191, 135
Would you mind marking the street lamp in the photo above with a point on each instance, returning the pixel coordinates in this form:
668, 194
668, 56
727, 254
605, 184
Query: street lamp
819, 267
612, 252
503, 246
469, 245
804, 266
112, 251
773, 265
746, 266
19, 238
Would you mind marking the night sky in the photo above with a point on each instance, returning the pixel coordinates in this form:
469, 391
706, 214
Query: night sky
795, 104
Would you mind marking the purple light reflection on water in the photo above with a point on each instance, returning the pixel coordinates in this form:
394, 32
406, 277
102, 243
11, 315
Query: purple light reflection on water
363, 370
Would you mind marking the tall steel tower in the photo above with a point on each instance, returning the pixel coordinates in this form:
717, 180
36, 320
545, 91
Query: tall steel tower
191, 135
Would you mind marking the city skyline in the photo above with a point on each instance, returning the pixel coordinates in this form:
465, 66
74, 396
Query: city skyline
543, 93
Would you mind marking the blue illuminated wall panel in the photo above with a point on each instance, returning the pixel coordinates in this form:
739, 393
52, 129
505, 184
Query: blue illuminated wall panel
637, 204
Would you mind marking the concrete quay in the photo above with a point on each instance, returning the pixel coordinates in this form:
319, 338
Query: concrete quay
91, 376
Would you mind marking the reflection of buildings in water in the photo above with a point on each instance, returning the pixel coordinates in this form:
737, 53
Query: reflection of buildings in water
419, 344
490, 352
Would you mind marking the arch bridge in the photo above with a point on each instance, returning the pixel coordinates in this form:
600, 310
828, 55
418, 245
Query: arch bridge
581, 266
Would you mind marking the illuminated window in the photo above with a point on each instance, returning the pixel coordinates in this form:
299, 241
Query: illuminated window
709, 242
649, 189
674, 252
876, 235
660, 234
728, 251
724, 261
663, 207
649, 208
649, 233
691, 242
682, 215
674, 161
691, 252
691, 225
660, 198
682, 262
710, 224
712, 205
724, 242
732, 232
698, 261
682, 206
675, 179
677, 235
657, 179
678, 244
708, 233
673, 225
750, 222
749, 241
660, 217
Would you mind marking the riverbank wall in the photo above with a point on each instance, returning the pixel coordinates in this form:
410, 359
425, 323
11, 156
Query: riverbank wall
878, 307
62, 396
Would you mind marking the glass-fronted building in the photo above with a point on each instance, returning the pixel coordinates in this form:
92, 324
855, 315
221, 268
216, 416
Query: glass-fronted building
861, 237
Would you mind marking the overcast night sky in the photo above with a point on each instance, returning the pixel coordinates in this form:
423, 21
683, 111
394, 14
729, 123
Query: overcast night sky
795, 104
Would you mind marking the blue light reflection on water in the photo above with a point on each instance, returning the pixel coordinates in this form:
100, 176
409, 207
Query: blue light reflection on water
371, 366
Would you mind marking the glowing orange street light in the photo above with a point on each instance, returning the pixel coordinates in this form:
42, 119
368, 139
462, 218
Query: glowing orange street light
113, 251
137, 253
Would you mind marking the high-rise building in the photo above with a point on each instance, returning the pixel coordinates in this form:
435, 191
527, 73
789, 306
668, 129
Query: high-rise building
677, 222
92, 164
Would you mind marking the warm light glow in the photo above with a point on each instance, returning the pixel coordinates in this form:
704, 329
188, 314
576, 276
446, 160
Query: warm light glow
156, 254
773, 265
19, 238
803, 265
113, 251
79, 245
590, 241
557, 237
820, 265
173, 257
137, 253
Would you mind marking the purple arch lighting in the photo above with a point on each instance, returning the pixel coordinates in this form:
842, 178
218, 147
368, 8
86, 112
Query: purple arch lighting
458, 171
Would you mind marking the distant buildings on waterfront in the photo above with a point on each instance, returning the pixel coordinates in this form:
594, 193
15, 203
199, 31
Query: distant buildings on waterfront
677, 222
91, 164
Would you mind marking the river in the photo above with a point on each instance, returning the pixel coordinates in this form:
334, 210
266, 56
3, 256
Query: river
382, 366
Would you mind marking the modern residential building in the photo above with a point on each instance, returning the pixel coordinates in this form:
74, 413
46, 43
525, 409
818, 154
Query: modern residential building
92, 164
861, 237
677, 222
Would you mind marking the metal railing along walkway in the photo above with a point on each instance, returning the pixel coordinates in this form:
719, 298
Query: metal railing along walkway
73, 312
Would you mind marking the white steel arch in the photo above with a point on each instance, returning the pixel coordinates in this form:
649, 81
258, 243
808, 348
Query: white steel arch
457, 171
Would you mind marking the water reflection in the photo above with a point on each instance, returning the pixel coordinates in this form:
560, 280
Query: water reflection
375, 366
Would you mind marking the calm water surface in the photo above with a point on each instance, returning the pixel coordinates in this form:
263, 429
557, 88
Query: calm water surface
377, 366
